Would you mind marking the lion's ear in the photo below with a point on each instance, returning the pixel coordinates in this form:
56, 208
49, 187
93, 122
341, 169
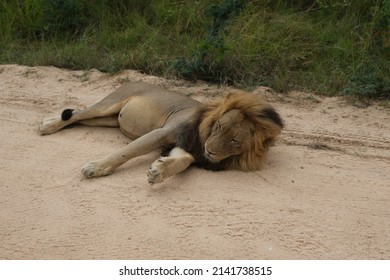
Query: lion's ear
271, 114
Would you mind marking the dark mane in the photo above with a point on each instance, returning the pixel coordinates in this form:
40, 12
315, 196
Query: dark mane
191, 136
187, 138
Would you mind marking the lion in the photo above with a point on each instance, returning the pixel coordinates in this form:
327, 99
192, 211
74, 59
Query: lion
234, 133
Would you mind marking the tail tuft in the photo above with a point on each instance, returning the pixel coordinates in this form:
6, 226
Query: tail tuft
66, 114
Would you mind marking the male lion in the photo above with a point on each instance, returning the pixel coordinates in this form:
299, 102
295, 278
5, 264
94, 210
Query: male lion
234, 133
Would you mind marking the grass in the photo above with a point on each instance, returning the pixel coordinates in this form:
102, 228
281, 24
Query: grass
324, 46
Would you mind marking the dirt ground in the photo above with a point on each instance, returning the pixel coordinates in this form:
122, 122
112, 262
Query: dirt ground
324, 194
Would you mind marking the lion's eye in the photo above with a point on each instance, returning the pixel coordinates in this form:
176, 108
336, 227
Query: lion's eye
217, 126
235, 142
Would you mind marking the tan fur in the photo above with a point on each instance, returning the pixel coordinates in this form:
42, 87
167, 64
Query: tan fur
235, 130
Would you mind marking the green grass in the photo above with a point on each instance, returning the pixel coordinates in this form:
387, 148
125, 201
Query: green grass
324, 46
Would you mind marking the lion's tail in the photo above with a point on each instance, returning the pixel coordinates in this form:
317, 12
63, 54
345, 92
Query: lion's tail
67, 114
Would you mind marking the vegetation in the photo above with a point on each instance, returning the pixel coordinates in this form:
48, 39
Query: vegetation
326, 46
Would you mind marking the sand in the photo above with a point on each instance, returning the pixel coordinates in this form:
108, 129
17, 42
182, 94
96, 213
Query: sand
324, 193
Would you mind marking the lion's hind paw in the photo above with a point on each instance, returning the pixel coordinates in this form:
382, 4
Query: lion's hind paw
50, 125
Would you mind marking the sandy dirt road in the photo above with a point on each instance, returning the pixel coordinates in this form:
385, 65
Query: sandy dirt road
324, 194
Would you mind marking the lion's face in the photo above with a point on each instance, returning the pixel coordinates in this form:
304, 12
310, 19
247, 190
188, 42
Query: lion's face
242, 127
229, 136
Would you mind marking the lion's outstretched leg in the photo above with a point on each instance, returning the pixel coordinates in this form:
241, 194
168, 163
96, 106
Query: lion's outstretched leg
98, 113
141, 146
101, 121
102, 113
177, 161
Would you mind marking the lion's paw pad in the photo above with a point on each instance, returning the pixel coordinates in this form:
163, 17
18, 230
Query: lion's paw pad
156, 172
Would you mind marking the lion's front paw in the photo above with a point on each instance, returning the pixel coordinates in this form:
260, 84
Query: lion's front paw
93, 169
50, 125
156, 172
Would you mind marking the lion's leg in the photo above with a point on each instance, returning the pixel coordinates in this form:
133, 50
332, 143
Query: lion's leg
68, 116
109, 106
141, 146
101, 121
177, 161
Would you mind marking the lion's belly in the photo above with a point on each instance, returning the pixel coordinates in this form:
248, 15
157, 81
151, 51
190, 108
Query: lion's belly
139, 116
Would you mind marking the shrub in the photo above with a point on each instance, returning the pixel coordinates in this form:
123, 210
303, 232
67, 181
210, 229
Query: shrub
205, 62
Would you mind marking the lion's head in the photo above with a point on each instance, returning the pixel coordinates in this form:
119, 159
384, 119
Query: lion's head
242, 127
